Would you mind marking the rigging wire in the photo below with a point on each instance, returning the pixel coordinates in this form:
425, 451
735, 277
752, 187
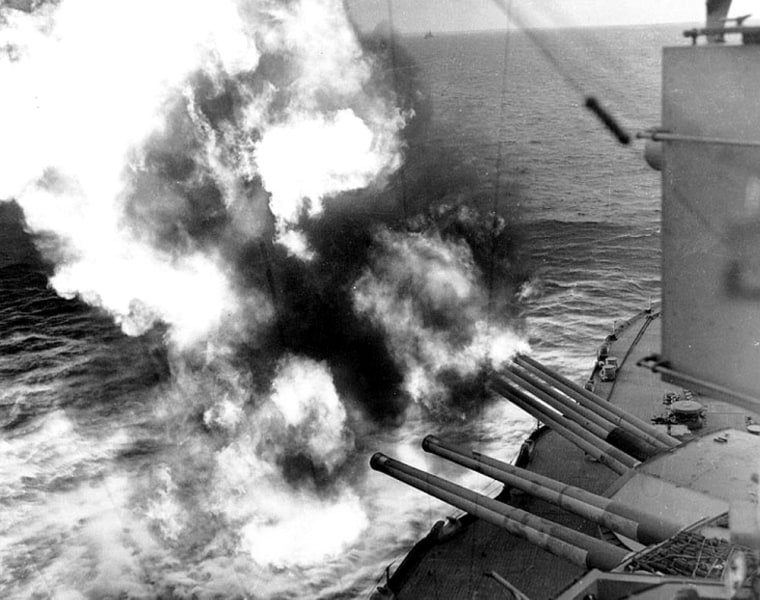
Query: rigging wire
512, 16
402, 183
499, 165
394, 76
603, 60
590, 101
494, 234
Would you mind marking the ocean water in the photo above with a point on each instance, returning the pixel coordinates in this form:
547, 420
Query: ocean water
107, 458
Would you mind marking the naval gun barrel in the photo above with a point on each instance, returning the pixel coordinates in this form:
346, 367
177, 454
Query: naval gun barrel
562, 541
611, 412
608, 513
605, 453
589, 419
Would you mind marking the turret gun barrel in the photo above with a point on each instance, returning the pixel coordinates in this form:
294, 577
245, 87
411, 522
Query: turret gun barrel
624, 439
605, 453
611, 412
574, 546
605, 512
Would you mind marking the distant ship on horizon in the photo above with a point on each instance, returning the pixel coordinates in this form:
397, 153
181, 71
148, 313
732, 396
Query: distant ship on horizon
428, 35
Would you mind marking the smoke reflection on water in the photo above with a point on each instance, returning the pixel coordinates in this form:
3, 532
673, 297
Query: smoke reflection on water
149, 190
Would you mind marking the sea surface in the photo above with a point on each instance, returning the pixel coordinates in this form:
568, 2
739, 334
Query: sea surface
86, 510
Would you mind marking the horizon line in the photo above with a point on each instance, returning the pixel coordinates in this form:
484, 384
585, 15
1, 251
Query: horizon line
686, 24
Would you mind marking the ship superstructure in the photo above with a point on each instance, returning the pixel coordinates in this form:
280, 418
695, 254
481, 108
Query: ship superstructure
643, 482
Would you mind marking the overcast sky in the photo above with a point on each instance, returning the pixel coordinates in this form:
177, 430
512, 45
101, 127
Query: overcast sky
469, 15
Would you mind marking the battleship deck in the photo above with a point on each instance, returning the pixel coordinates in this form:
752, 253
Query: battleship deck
458, 567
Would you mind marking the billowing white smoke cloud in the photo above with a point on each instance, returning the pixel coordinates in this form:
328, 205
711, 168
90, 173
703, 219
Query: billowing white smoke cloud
89, 91
88, 83
278, 527
303, 418
330, 155
304, 394
428, 296
87, 87
315, 153
304, 402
